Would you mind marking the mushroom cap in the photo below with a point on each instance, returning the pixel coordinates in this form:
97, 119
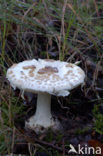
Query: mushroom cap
50, 76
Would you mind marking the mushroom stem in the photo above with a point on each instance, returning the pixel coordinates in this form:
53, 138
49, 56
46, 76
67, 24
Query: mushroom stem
42, 116
43, 110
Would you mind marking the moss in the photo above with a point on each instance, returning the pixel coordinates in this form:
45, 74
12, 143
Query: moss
81, 131
98, 119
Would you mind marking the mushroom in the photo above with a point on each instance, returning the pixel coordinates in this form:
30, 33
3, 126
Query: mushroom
45, 77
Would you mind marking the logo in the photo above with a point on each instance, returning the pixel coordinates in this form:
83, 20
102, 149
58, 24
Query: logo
84, 150
72, 150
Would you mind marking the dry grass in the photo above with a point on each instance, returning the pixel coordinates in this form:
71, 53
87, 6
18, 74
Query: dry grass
66, 30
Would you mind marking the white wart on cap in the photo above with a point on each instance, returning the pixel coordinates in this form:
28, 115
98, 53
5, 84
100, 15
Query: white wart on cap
45, 77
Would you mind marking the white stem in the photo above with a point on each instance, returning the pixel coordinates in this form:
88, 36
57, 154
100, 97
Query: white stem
42, 116
43, 110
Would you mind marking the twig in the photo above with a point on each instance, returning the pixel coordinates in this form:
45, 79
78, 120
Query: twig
13, 139
62, 33
96, 8
34, 140
63, 146
31, 7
